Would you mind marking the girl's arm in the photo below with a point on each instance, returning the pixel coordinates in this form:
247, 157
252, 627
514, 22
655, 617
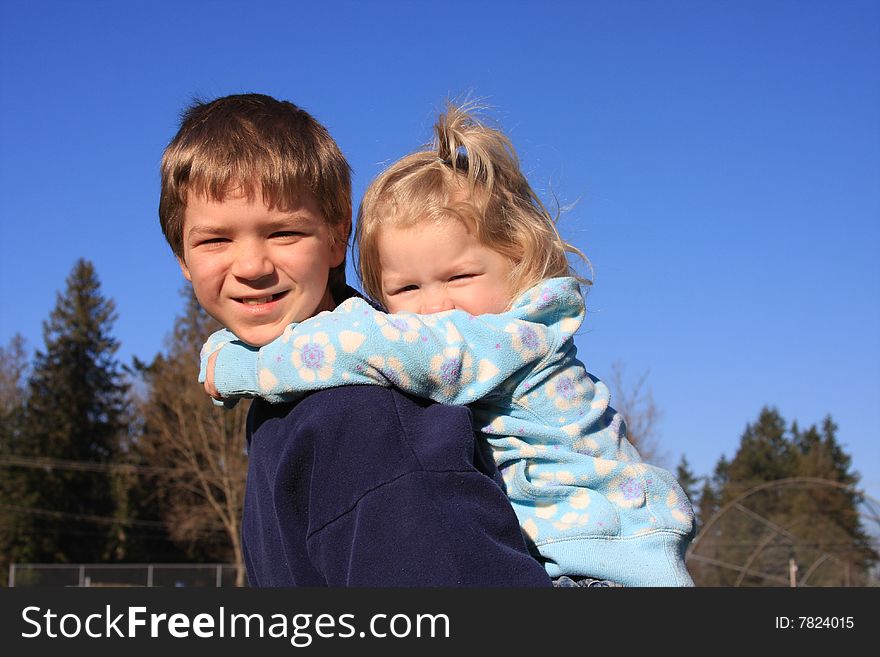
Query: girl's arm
450, 357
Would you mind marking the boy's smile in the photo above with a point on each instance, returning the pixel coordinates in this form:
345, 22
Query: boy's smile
255, 269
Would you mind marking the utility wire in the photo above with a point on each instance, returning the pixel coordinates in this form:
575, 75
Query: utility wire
107, 520
104, 520
46, 463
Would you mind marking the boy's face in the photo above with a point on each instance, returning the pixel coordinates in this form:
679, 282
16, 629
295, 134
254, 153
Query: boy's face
432, 267
256, 270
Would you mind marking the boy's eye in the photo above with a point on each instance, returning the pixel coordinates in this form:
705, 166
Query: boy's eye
212, 240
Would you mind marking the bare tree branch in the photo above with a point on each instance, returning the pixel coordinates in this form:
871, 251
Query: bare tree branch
201, 445
636, 403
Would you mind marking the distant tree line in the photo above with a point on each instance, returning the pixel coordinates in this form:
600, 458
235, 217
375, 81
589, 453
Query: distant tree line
783, 511
102, 462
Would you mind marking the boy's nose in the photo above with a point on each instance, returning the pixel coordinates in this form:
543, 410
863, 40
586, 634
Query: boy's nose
436, 302
252, 264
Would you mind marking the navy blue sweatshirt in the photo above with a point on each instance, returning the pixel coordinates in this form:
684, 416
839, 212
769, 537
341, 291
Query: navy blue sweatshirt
366, 486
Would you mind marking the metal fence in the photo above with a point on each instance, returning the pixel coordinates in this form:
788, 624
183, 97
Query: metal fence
123, 575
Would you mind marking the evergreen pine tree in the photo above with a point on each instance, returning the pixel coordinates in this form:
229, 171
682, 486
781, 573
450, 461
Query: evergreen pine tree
76, 410
15, 498
835, 550
764, 454
786, 498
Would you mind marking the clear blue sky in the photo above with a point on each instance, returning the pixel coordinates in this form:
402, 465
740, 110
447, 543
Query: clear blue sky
724, 158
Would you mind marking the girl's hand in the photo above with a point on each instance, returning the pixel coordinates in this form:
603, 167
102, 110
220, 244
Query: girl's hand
209, 377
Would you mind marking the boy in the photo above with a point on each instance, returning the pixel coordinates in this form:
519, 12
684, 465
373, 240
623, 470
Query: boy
354, 486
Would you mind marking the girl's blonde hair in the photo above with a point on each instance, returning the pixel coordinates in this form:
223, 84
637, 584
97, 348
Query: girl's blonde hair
469, 172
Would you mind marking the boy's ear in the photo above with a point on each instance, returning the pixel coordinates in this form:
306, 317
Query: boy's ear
340, 244
337, 253
184, 269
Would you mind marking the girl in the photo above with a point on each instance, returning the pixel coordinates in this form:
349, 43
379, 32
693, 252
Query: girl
482, 309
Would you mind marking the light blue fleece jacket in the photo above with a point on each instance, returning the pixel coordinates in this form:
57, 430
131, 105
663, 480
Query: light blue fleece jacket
584, 498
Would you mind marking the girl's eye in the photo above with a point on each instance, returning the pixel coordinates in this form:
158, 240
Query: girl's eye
286, 234
460, 277
405, 288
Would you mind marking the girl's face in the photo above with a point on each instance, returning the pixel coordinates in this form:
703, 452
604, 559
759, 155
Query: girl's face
432, 267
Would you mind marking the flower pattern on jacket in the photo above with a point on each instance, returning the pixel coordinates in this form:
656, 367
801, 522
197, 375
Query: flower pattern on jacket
398, 327
450, 369
313, 357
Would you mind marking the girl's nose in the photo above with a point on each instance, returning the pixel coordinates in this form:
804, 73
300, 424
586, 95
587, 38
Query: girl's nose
436, 302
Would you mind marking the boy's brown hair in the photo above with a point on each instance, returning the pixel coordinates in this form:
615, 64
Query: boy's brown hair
254, 145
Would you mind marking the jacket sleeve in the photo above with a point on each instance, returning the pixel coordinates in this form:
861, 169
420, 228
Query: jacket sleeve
450, 357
